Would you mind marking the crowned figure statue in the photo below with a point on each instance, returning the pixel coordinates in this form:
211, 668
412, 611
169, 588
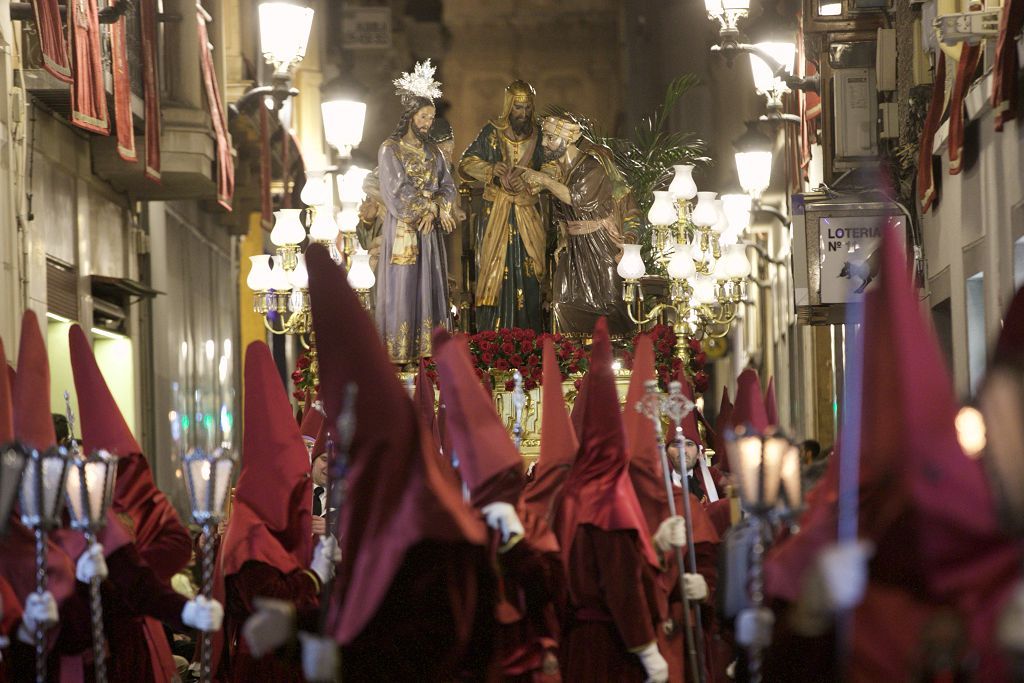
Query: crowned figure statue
417, 193
511, 242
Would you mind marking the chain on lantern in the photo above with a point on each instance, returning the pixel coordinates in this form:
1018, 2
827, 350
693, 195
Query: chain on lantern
697, 244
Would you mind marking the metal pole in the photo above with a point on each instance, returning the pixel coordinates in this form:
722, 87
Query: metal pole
650, 406
206, 645
40, 634
99, 640
756, 596
691, 553
336, 470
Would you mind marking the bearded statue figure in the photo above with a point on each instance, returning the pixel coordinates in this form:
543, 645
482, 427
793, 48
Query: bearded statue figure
417, 192
596, 213
510, 236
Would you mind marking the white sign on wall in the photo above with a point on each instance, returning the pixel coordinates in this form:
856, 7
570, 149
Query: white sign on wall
365, 28
847, 244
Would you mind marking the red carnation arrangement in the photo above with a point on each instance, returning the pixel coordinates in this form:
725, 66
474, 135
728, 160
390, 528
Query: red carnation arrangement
303, 379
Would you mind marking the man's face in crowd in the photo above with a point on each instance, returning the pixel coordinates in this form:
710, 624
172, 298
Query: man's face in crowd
320, 470
554, 147
421, 123
692, 453
521, 117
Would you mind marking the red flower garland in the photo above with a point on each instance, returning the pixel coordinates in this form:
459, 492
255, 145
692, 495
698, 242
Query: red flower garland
510, 348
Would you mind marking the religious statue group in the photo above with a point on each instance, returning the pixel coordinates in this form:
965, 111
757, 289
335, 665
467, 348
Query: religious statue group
412, 202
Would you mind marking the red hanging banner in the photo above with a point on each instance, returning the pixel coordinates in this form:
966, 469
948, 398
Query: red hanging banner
88, 94
970, 55
150, 87
51, 39
1004, 71
225, 165
925, 178
122, 92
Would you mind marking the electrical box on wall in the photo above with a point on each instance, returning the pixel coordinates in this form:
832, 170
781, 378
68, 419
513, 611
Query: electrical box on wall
855, 106
885, 59
835, 258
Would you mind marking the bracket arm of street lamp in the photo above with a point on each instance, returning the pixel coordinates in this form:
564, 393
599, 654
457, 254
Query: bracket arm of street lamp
756, 205
730, 47
278, 92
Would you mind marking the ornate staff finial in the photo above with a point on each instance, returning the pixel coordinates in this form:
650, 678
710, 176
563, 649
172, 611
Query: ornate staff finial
518, 403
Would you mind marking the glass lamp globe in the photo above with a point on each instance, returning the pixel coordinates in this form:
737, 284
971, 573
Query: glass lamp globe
259, 277
278, 280
284, 32
737, 211
360, 275
348, 219
343, 124
680, 266
721, 223
316, 191
631, 266
350, 185
324, 228
299, 276
765, 81
734, 261
682, 186
663, 211
703, 290
288, 230
705, 214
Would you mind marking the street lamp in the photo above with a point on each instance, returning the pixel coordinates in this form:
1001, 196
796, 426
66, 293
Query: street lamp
89, 489
727, 13
284, 34
12, 463
41, 496
207, 482
344, 119
769, 79
754, 160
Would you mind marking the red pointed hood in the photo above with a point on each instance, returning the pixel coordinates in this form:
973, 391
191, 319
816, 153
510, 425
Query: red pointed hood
477, 434
397, 494
771, 407
33, 422
644, 452
1010, 345
6, 403
270, 520
722, 424
749, 409
558, 442
425, 398
320, 445
690, 429
598, 490
135, 493
312, 421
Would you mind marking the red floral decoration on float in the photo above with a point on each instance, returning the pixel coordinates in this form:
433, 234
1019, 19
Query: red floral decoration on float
303, 379
502, 351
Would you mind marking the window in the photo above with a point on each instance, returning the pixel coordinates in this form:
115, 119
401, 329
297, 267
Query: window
976, 329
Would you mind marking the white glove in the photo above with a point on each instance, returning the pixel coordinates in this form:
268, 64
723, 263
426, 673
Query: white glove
319, 658
844, 570
695, 587
203, 614
671, 533
502, 517
91, 564
654, 664
325, 557
40, 610
270, 626
754, 627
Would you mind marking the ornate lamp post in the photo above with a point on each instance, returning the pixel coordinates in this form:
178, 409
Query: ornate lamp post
762, 460
12, 463
207, 481
89, 488
41, 496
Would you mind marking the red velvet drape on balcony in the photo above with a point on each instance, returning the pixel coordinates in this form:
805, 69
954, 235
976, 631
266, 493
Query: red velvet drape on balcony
1004, 71
925, 177
150, 87
122, 92
51, 39
970, 55
225, 164
88, 94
